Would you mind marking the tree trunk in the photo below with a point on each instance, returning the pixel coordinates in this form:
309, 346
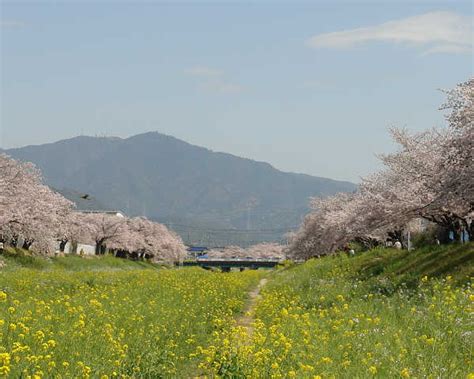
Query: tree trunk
27, 244
456, 228
98, 248
62, 245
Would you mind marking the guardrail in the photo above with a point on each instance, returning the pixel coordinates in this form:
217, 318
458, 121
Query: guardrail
227, 264
240, 259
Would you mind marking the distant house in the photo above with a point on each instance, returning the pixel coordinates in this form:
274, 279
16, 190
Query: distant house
113, 213
77, 248
85, 249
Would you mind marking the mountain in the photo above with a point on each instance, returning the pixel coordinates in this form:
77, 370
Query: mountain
83, 201
202, 194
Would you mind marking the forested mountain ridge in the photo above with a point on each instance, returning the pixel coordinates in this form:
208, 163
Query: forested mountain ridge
172, 181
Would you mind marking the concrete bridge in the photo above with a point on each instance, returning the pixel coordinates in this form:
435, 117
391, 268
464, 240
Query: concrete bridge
226, 264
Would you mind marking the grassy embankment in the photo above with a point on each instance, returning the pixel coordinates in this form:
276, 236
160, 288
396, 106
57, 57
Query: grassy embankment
106, 317
15, 259
385, 313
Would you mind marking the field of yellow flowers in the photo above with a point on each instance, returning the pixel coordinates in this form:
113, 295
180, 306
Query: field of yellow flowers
385, 313
60, 323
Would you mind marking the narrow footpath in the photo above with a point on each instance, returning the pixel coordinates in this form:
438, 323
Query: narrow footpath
247, 319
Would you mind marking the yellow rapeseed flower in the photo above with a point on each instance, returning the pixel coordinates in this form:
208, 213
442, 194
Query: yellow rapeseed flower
405, 373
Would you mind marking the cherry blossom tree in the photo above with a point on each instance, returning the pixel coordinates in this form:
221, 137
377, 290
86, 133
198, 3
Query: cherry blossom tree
430, 176
457, 183
37, 216
102, 229
259, 251
15, 179
128, 237
227, 252
169, 246
29, 210
76, 228
142, 238
266, 250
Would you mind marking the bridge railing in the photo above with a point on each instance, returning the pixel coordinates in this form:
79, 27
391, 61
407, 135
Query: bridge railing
239, 259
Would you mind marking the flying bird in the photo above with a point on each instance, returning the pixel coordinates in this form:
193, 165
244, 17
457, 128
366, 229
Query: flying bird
86, 196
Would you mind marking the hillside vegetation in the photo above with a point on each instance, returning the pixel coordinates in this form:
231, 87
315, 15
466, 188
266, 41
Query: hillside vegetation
171, 181
385, 313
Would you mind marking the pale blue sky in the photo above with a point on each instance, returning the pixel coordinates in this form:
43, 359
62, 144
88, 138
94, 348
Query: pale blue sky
262, 80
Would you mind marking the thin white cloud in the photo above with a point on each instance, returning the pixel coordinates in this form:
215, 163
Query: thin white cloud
449, 49
436, 32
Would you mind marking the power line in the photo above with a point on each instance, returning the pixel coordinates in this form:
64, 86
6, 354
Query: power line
231, 230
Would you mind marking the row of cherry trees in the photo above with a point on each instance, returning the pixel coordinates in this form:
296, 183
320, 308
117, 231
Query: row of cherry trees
135, 237
33, 215
430, 177
260, 251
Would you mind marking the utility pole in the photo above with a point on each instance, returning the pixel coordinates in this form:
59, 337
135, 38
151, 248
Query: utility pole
248, 217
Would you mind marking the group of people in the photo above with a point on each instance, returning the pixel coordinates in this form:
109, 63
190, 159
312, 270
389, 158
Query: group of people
397, 244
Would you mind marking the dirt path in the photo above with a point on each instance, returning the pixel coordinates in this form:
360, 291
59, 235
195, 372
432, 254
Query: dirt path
246, 320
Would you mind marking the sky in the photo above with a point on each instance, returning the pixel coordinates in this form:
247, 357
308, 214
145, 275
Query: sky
309, 87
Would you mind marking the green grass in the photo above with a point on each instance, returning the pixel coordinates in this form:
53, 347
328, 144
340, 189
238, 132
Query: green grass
19, 258
104, 318
385, 313
402, 266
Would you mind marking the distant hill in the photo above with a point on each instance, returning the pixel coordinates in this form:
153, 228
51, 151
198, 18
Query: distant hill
204, 195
